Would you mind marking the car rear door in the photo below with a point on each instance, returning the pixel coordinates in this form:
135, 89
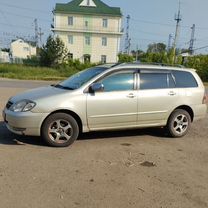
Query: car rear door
157, 96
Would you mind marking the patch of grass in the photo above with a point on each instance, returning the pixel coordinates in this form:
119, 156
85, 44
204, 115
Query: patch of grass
14, 71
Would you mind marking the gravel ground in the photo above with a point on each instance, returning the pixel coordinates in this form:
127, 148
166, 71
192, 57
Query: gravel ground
138, 168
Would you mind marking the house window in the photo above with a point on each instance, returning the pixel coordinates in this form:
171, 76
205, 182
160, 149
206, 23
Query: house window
105, 22
70, 21
103, 59
26, 49
70, 39
70, 56
86, 23
87, 58
104, 41
87, 40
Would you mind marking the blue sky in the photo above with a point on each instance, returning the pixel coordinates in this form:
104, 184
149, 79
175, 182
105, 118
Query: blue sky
151, 20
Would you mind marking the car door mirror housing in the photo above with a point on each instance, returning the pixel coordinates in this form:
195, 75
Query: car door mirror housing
96, 87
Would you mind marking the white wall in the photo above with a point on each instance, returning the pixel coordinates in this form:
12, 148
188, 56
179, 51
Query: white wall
96, 30
22, 50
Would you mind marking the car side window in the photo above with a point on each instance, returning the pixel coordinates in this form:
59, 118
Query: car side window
120, 81
153, 81
184, 79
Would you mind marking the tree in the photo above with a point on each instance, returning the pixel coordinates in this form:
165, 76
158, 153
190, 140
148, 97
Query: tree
137, 54
156, 48
5, 50
125, 58
53, 52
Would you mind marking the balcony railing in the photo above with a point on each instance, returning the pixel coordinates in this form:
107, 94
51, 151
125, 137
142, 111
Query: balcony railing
89, 29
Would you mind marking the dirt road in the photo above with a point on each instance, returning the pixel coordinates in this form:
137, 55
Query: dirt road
103, 170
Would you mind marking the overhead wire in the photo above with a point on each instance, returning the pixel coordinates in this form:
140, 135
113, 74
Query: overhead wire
23, 8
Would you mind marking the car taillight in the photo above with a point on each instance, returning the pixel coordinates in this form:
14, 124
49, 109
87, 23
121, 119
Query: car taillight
205, 99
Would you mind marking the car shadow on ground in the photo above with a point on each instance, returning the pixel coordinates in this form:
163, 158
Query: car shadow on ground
8, 138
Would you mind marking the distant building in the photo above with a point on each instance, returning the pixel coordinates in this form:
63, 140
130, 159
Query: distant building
4, 57
90, 29
21, 49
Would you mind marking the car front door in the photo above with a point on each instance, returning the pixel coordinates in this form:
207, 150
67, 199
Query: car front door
115, 106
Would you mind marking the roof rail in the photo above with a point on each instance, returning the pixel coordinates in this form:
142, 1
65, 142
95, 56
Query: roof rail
110, 65
159, 64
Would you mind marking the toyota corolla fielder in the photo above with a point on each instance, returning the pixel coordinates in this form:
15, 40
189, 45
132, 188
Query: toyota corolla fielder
109, 97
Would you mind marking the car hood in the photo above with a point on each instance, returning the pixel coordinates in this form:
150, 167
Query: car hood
39, 93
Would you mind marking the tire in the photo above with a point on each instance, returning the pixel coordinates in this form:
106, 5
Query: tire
179, 123
60, 130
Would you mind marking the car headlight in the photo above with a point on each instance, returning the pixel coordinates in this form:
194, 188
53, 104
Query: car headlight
22, 106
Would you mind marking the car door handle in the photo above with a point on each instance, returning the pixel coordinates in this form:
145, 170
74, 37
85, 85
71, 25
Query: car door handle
131, 95
171, 93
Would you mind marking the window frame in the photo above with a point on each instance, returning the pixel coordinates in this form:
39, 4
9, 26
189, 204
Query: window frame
70, 20
175, 79
105, 22
156, 71
86, 23
87, 40
104, 57
104, 41
135, 78
70, 39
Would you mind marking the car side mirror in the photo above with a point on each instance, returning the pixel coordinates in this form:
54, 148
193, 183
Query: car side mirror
96, 87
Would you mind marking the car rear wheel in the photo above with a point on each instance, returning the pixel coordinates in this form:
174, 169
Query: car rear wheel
60, 130
179, 123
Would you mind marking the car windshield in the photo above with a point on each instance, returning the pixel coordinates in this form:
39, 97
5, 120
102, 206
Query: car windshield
79, 79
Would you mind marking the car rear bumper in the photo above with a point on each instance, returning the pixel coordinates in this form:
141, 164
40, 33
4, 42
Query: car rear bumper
200, 111
24, 123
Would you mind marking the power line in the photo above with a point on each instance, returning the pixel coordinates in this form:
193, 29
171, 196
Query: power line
24, 16
23, 8
166, 24
16, 26
23, 27
149, 33
146, 39
196, 49
4, 16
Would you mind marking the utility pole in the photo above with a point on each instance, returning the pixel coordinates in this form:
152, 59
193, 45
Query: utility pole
40, 34
191, 46
36, 32
137, 54
178, 19
127, 39
169, 41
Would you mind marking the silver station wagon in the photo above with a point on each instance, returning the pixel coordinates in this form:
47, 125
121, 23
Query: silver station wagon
108, 97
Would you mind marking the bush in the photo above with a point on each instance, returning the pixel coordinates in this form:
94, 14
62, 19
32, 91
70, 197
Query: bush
32, 61
200, 63
125, 58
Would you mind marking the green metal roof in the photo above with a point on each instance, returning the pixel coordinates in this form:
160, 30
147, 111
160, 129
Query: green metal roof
100, 9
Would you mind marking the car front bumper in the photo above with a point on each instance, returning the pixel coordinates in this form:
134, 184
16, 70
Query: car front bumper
24, 123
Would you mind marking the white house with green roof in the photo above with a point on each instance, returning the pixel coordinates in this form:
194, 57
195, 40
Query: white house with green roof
90, 29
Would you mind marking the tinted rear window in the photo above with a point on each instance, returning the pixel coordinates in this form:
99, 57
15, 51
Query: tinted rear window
184, 79
153, 81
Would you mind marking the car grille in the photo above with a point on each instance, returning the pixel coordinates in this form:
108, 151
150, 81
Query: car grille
9, 104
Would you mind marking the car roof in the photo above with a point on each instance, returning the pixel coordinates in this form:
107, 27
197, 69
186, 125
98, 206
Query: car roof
151, 66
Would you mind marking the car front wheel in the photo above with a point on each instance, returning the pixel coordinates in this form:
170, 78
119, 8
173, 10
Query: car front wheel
60, 130
179, 123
